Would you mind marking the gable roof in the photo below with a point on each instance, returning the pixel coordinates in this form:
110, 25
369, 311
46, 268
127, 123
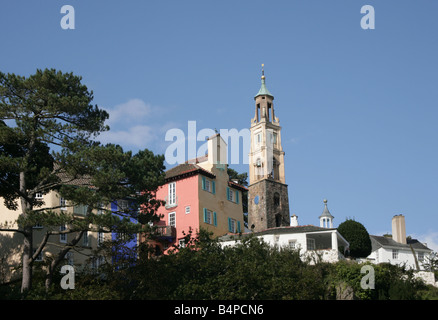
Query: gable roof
381, 241
278, 230
185, 170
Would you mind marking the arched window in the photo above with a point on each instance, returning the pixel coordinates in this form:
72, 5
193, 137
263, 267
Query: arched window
278, 220
276, 200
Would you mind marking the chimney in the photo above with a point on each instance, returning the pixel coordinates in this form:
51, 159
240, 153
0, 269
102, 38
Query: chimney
399, 229
217, 150
294, 221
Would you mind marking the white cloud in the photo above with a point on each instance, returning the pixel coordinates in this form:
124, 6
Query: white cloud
136, 124
134, 111
140, 137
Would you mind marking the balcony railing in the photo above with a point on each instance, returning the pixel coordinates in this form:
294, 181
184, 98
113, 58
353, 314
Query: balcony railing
166, 231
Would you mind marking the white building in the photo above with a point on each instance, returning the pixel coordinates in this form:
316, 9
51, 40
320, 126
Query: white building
314, 243
397, 249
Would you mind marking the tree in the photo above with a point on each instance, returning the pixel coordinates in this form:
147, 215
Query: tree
356, 234
47, 126
242, 179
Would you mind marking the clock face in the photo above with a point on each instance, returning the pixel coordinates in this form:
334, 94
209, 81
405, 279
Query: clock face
256, 200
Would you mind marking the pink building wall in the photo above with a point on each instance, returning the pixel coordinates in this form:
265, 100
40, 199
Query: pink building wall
187, 192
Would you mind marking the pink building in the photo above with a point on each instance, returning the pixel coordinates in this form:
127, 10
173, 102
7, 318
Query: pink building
198, 194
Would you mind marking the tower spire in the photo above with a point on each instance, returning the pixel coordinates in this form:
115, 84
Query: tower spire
263, 90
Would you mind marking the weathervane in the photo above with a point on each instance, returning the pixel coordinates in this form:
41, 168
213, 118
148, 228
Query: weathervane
263, 71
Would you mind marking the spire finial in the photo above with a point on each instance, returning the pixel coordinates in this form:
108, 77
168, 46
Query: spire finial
263, 71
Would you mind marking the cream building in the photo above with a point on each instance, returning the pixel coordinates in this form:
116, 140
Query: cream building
11, 242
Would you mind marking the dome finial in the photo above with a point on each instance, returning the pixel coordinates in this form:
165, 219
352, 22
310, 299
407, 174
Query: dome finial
263, 71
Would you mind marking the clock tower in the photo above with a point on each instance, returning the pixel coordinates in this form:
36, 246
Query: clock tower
268, 201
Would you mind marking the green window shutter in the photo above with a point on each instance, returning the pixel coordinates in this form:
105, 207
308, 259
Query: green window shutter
213, 187
238, 226
214, 219
205, 215
229, 225
237, 197
203, 183
228, 193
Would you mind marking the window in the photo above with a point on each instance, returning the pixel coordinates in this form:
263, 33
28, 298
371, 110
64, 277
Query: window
85, 239
310, 244
210, 217
80, 210
421, 256
187, 209
62, 236
233, 225
233, 195
69, 258
258, 139
276, 199
171, 199
230, 195
63, 203
292, 244
394, 253
172, 219
208, 185
39, 257
38, 195
37, 226
182, 243
122, 205
100, 239
101, 208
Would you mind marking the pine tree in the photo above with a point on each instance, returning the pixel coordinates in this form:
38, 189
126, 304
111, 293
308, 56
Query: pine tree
47, 131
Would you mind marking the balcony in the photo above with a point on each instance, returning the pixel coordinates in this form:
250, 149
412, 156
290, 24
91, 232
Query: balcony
169, 204
80, 210
167, 232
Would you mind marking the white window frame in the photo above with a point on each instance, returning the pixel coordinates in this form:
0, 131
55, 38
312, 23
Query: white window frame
207, 185
171, 219
63, 204
292, 244
122, 205
395, 253
209, 216
171, 198
63, 236
233, 225
38, 195
310, 243
100, 238
187, 209
231, 195
182, 243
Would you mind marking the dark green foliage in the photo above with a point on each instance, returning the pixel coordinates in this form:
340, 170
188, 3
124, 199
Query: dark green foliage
47, 126
356, 234
249, 270
242, 179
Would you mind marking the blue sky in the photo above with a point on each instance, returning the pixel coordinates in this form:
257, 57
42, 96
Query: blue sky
358, 108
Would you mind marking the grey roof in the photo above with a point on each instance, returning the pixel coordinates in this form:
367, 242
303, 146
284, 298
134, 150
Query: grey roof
381, 241
186, 169
325, 212
279, 230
